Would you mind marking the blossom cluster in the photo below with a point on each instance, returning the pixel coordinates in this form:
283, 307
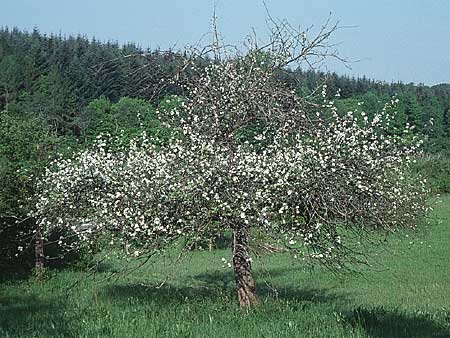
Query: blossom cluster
247, 153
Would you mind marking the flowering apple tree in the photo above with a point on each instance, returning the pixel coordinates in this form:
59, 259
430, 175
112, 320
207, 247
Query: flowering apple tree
246, 154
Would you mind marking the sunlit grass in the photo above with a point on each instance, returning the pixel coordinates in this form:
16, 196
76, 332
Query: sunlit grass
405, 293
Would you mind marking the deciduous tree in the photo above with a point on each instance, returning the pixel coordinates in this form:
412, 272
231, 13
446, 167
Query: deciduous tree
246, 154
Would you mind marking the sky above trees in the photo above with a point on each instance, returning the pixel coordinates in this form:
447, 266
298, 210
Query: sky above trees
405, 41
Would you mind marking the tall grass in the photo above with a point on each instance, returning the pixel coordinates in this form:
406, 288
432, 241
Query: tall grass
404, 293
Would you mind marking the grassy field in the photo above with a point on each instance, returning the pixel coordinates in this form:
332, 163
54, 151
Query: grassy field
405, 293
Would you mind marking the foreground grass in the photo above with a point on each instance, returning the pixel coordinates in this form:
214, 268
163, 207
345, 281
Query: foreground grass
405, 293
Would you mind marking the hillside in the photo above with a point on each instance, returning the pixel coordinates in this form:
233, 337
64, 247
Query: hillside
57, 77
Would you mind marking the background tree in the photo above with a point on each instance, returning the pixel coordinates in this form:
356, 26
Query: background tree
25, 146
86, 69
10, 79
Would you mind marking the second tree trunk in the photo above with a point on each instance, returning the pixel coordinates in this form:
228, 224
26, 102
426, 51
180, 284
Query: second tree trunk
39, 254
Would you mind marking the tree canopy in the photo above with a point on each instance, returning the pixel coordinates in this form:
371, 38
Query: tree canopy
245, 153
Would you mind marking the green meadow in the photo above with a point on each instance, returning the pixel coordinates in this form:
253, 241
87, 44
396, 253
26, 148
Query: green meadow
403, 293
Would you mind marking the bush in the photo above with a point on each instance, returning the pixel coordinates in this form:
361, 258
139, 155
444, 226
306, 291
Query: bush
436, 169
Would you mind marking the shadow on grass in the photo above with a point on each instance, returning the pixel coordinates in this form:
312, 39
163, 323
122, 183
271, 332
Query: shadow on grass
379, 322
216, 287
219, 287
14, 272
170, 294
224, 280
28, 316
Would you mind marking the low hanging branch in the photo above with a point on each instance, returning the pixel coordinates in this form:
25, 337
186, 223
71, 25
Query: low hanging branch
246, 154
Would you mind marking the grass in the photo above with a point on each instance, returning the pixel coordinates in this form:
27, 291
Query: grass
405, 293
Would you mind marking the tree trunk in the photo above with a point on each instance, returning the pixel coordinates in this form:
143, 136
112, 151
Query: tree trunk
210, 245
245, 284
6, 98
39, 252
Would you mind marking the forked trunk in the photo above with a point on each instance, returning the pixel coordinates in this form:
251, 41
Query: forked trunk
245, 284
39, 252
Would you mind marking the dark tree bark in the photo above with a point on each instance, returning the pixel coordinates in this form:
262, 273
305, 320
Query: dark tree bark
245, 284
39, 252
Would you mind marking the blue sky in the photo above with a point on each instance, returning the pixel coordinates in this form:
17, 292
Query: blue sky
405, 40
